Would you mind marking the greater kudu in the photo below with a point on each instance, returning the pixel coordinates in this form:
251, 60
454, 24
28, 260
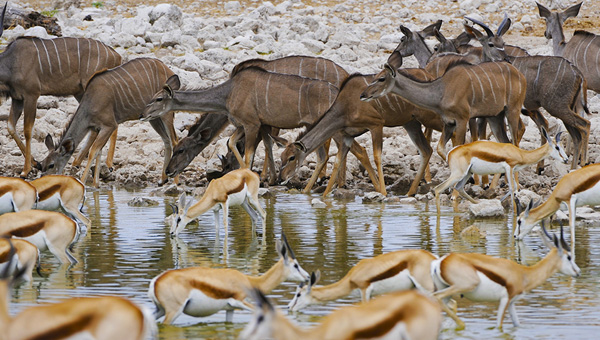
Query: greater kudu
552, 83
31, 67
583, 49
353, 117
494, 90
209, 126
253, 98
113, 97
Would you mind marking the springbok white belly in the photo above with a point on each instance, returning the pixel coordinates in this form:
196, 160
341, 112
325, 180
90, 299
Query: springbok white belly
85, 335
400, 281
38, 239
237, 198
481, 167
590, 196
52, 203
6, 203
487, 290
199, 304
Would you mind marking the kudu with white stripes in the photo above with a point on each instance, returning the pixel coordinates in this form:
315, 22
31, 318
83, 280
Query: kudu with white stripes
253, 98
209, 126
111, 98
552, 83
494, 90
31, 67
583, 49
352, 117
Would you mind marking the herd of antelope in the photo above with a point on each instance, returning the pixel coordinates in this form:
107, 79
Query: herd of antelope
458, 86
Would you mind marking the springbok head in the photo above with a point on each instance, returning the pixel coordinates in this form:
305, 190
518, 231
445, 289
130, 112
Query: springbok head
384, 80
567, 264
162, 102
555, 20
303, 297
263, 320
524, 223
180, 219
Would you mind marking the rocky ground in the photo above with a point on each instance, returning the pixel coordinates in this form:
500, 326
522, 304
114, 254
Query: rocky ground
202, 41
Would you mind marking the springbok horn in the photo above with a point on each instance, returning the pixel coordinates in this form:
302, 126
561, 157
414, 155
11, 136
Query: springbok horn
287, 245
543, 224
562, 239
484, 26
558, 137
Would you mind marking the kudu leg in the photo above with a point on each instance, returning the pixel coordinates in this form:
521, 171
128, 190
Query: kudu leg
29, 111
361, 154
111, 150
377, 138
340, 158
16, 109
413, 128
541, 122
231, 143
251, 132
164, 127
100, 139
321, 163
427, 176
269, 161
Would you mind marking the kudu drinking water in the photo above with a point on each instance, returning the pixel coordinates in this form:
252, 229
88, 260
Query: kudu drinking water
31, 67
494, 90
253, 98
113, 97
210, 125
352, 117
553, 83
583, 49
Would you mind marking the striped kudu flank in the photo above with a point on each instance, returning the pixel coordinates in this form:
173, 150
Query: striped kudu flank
494, 90
583, 49
31, 67
111, 98
211, 125
99, 318
254, 98
352, 117
400, 315
16, 195
553, 83
45, 229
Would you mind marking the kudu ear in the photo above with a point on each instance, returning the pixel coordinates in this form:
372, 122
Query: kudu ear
431, 29
544, 12
49, 142
394, 62
173, 82
281, 142
439, 36
572, 11
405, 31
299, 146
463, 39
2, 19
474, 32
504, 26
67, 146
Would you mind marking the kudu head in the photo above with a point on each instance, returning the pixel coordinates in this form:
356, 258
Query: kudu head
412, 41
58, 157
555, 20
189, 147
384, 80
303, 297
492, 44
162, 102
292, 158
556, 150
567, 260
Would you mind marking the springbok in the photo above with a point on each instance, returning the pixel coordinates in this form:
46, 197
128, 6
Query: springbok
31, 67
552, 83
480, 277
45, 229
583, 49
487, 157
100, 318
59, 191
24, 258
111, 98
399, 315
390, 272
575, 189
16, 195
239, 187
350, 117
494, 90
201, 291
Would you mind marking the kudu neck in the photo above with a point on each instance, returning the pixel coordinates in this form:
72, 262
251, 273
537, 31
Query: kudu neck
558, 40
213, 99
426, 95
422, 53
325, 128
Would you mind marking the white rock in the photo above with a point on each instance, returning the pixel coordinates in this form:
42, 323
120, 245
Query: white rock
232, 7
314, 46
487, 208
171, 12
373, 197
135, 26
170, 38
123, 40
36, 31
317, 203
189, 62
